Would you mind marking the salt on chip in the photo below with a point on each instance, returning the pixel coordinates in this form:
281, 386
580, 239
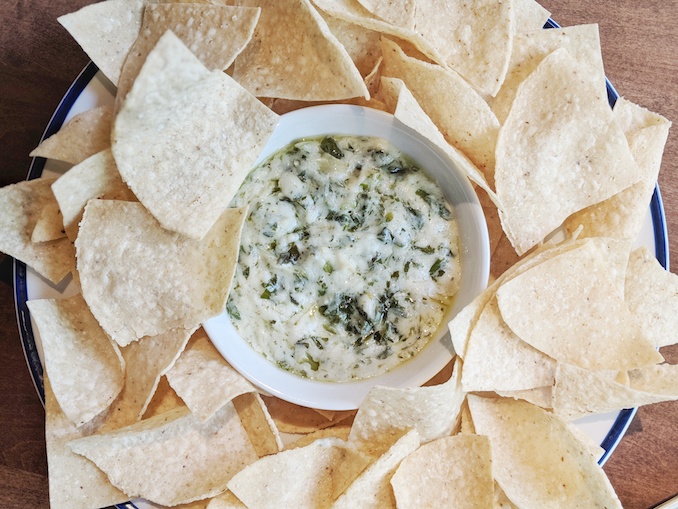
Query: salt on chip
651, 293
579, 392
106, 31
142, 280
74, 481
306, 477
216, 34
294, 55
172, 458
571, 307
386, 411
559, 151
187, 137
82, 136
537, 460
453, 471
204, 380
146, 361
84, 365
529, 49
622, 215
22, 204
461, 114
372, 488
95, 177
498, 360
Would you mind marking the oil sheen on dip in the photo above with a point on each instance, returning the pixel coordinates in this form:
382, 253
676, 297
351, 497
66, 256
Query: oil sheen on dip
349, 259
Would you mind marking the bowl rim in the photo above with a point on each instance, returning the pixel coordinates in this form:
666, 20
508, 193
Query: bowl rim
343, 119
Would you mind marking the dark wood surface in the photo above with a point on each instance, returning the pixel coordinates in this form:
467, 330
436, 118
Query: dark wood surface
38, 61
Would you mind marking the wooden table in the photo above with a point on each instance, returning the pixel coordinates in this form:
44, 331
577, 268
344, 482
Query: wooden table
38, 61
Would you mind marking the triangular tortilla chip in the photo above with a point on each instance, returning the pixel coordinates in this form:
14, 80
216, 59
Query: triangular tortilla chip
550, 165
21, 205
622, 215
95, 177
216, 34
85, 367
142, 280
537, 460
171, 458
571, 307
308, 477
74, 481
187, 181
461, 114
651, 293
82, 136
431, 476
386, 411
294, 55
106, 31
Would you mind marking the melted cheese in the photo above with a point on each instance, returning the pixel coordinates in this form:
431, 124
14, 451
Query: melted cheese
348, 260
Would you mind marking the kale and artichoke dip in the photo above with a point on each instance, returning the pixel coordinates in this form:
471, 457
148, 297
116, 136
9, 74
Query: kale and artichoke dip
349, 258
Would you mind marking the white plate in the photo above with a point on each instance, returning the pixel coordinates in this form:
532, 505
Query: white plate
92, 89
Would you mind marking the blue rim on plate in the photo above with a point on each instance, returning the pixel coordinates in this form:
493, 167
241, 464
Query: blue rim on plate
21, 291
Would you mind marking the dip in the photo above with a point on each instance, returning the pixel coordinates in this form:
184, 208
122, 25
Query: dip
349, 259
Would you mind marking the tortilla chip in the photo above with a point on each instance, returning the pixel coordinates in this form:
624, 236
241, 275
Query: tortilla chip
582, 42
563, 474
572, 308
472, 38
498, 360
452, 471
106, 32
339, 431
85, 367
258, 423
406, 109
622, 215
146, 361
133, 297
651, 293
460, 113
50, 225
307, 477
95, 177
187, 181
82, 136
372, 489
294, 55
171, 458
22, 204
204, 380
548, 165
579, 392
74, 481
216, 34
387, 411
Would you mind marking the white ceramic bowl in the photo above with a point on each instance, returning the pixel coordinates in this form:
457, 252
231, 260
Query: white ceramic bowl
475, 256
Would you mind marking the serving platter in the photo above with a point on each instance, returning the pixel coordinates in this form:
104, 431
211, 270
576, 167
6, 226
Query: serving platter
92, 89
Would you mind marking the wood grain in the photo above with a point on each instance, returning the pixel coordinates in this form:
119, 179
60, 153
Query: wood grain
39, 60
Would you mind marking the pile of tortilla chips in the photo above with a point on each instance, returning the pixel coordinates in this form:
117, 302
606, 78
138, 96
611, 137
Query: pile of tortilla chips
139, 404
